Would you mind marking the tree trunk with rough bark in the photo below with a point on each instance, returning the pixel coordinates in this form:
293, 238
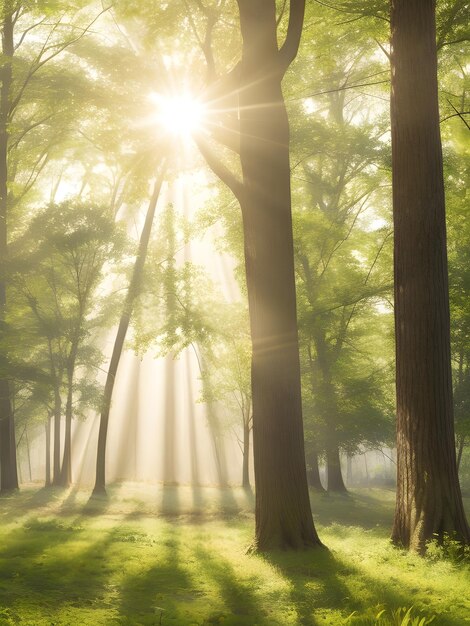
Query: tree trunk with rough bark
47, 481
246, 456
56, 451
461, 445
333, 471
66, 472
8, 464
313, 471
429, 500
349, 472
283, 515
253, 89
329, 406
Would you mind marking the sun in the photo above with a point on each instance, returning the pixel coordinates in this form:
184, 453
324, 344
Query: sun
179, 115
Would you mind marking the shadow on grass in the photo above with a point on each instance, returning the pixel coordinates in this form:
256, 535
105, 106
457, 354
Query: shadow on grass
159, 589
227, 503
240, 603
16, 504
210, 593
95, 506
198, 504
170, 502
363, 509
47, 563
322, 582
316, 585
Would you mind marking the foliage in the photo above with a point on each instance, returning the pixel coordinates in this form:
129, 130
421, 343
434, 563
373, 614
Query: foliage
57, 271
399, 617
447, 548
342, 240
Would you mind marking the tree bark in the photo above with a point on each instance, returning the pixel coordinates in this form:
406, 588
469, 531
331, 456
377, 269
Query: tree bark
66, 472
8, 464
333, 469
313, 472
349, 472
461, 445
47, 482
56, 453
283, 515
329, 406
132, 293
246, 456
429, 500
28, 453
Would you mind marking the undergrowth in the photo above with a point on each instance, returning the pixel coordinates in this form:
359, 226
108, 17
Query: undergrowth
447, 548
400, 617
130, 561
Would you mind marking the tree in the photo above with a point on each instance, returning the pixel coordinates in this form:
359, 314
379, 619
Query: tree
429, 501
283, 516
8, 470
133, 290
454, 80
226, 371
30, 45
64, 251
341, 238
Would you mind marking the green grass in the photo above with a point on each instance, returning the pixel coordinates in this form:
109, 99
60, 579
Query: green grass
177, 556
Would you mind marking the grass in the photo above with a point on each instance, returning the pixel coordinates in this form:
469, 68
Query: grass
177, 556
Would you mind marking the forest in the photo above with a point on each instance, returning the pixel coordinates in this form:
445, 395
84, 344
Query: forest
234, 312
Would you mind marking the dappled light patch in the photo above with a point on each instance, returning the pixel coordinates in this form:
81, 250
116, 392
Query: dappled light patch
131, 568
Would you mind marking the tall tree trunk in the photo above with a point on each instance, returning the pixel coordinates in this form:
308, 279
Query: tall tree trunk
461, 445
28, 454
282, 512
213, 421
333, 469
47, 482
283, 515
349, 473
429, 500
56, 452
313, 471
329, 406
66, 472
8, 464
246, 456
132, 293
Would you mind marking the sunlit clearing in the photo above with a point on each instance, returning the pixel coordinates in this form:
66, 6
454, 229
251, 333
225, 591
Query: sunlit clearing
181, 115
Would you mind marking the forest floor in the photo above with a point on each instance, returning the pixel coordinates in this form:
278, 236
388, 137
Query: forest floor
151, 555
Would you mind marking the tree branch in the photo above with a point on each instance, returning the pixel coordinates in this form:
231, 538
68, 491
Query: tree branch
384, 50
463, 39
55, 49
457, 113
219, 169
290, 47
227, 132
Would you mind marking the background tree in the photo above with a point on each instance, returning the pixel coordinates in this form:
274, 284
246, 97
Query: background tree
226, 375
58, 279
342, 238
34, 37
135, 286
